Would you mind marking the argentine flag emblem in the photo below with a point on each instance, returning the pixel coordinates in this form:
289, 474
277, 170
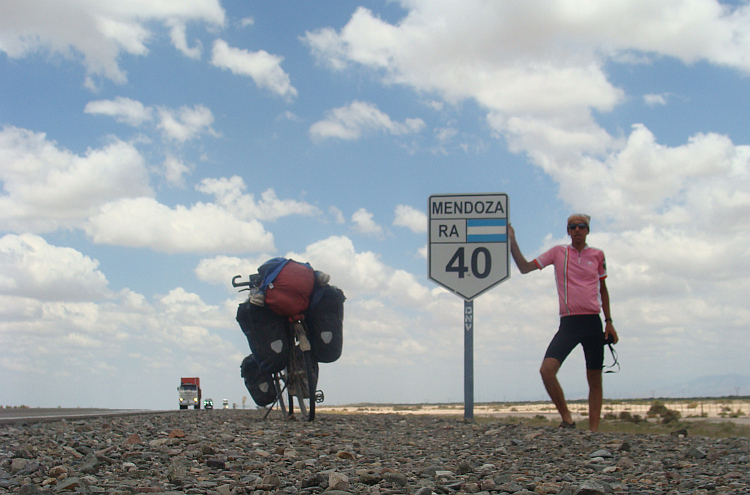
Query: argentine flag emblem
486, 230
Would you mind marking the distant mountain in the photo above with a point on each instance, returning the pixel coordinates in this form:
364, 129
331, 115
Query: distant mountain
709, 386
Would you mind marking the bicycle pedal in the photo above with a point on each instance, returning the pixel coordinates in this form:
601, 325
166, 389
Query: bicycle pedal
319, 397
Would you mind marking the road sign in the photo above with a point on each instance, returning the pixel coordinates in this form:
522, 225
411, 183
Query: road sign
468, 249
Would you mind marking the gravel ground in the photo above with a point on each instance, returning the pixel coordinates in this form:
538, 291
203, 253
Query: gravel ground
236, 452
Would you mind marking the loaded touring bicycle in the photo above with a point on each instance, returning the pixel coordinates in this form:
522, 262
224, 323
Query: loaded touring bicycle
293, 320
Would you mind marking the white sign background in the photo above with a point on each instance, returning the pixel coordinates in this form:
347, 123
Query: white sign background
468, 248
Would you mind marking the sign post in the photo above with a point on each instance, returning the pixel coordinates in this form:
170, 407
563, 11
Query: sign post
468, 360
468, 254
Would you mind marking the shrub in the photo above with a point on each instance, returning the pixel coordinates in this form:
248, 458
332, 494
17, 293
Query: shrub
669, 416
657, 409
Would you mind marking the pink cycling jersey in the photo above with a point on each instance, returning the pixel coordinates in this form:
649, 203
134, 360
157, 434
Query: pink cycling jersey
578, 278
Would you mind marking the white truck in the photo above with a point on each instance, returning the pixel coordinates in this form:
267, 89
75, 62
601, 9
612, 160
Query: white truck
190, 392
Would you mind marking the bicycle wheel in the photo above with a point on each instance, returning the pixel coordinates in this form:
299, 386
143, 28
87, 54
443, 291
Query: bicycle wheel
303, 378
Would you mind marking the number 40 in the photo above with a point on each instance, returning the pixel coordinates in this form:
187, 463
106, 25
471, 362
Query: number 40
458, 263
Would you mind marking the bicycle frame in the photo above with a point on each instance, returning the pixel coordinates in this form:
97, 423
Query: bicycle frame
299, 379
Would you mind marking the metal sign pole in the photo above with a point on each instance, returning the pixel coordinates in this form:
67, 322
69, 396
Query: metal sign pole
468, 360
468, 254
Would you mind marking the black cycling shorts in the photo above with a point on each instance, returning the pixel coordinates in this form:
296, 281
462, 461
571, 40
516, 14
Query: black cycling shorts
579, 329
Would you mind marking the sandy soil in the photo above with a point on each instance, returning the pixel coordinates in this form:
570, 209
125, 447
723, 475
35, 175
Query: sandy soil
711, 410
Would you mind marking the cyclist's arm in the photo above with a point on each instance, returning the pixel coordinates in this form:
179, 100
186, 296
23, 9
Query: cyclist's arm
523, 265
609, 328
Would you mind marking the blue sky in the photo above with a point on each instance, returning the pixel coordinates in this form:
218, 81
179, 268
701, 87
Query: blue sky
150, 151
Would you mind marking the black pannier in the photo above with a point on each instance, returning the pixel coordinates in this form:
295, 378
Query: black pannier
267, 335
325, 323
259, 384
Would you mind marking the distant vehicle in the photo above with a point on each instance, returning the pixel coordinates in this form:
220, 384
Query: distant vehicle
190, 392
226, 403
208, 404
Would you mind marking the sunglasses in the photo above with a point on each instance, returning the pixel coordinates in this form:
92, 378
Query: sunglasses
580, 226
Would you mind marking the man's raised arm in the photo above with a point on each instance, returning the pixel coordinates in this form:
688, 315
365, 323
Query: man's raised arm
523, 265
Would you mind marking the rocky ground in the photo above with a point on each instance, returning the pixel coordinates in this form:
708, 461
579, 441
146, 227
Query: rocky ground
236, 452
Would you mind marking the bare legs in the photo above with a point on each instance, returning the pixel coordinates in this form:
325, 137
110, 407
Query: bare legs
549, 369
595, 398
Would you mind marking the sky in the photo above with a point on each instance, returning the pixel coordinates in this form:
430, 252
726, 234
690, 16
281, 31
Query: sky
151, 151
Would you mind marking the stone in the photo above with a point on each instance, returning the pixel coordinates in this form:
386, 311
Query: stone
342, 454
133, 439
18, 464
176, 433
69, 484
177, 473
30, 489
695, 453
338, 481
236, 452
591, 488
395, 478
90, 464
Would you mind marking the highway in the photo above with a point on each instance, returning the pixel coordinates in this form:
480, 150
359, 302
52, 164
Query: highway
36, 415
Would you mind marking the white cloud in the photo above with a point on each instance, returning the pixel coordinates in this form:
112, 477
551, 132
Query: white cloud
653, 100
46, 187
445, 134
84, 346
222, 269
180, 330
264, 68
229, 193
291, 116
175, 171
364, 223
97, 33
411, 218
32, 268
180, 125
479, 54
185, 123
359, 118
179, 40
673, 219
703, 182
124, 110
203, 228
539, 90
337, 215
360, 274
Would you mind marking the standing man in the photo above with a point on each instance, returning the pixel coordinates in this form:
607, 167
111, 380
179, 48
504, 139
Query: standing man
580, 271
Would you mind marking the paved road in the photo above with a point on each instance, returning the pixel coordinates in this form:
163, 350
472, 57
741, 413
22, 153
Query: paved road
35, 415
